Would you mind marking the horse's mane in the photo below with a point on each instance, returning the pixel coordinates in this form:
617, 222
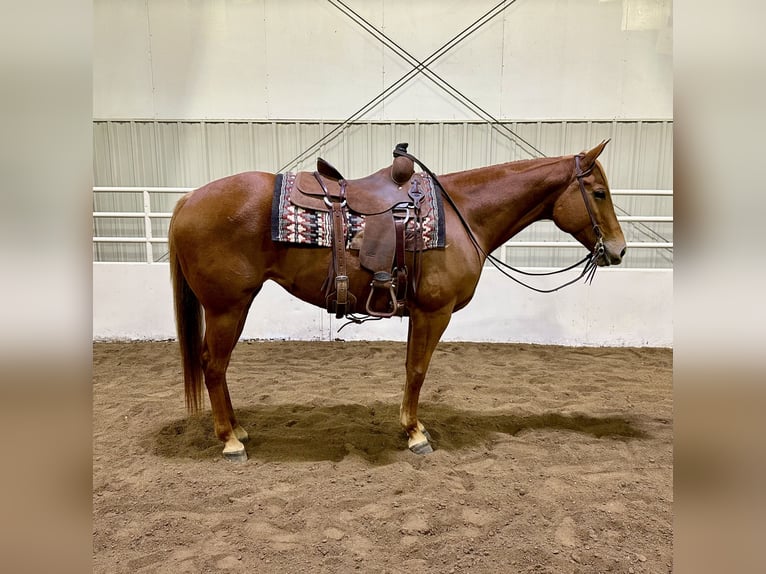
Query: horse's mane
517, 166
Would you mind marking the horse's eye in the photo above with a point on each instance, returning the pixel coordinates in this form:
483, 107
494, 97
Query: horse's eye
599, 194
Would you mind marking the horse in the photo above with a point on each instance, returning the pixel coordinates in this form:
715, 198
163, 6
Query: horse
221, 252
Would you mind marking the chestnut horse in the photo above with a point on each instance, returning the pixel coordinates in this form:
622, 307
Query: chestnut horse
221, 253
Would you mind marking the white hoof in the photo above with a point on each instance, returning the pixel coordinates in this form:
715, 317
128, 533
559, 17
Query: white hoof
234, 450
241, 434
235, 455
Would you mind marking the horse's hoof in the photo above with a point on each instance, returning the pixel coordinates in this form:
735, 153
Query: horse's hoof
236, 455
422, 448
241, 434
426, 434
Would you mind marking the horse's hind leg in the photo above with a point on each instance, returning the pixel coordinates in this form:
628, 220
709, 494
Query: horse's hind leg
222, 329
239, 432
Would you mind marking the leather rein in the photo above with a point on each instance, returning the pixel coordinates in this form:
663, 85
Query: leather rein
588, 271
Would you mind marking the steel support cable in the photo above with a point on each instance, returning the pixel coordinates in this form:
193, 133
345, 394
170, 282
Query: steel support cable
462, 98
496, 124
480, 22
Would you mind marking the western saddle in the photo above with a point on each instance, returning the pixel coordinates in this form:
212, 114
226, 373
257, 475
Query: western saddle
387, 199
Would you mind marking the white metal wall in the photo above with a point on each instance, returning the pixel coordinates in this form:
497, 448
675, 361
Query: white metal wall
621, 308
304, 59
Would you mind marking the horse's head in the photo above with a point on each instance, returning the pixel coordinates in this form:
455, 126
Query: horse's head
586, 211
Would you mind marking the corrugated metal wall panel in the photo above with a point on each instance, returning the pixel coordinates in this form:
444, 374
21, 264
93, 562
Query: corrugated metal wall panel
194, 152
355, 151
263, 143
623, 156
102, 161
239, 141
377, 138
333, 151
169, 150
453, 147
124, 166
191, 153
217, 150
166, 153
145, 151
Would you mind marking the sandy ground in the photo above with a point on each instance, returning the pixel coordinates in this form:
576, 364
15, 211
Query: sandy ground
549, 459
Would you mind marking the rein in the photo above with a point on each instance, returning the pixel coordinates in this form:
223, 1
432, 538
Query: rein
588, 271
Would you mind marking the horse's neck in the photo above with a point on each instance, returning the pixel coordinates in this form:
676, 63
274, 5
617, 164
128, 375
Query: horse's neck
499, 201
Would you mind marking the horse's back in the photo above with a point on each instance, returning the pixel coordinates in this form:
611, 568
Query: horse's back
231, 193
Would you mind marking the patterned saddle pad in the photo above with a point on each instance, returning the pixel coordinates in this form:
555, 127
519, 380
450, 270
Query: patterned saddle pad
293, 224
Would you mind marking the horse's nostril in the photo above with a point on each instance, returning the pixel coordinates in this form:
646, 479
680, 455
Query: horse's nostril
622, 253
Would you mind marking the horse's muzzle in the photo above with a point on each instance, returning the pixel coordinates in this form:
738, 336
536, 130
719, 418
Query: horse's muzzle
611, 255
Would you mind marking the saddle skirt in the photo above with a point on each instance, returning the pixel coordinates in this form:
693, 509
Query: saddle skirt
301, 216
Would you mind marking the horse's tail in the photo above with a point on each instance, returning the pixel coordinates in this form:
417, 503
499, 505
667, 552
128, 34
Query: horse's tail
188, 314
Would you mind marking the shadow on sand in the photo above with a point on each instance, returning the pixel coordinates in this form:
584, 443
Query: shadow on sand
290, 432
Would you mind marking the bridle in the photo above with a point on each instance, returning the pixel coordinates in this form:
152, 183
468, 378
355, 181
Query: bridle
590, 260
599, 249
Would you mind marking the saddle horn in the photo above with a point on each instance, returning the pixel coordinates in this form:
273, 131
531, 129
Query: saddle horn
403, 168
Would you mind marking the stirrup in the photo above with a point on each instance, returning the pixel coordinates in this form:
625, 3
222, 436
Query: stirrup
383, 280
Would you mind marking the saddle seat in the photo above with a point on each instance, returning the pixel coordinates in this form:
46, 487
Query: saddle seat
372, 195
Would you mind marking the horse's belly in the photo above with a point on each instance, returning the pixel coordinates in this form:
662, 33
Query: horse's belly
305, 271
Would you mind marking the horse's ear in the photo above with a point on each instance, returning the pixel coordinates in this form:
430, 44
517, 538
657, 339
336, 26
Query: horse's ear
590, 156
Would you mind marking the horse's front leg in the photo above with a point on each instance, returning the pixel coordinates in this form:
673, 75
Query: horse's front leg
425, 330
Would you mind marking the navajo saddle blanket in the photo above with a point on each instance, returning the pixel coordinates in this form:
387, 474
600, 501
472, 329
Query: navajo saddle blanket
293, 224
